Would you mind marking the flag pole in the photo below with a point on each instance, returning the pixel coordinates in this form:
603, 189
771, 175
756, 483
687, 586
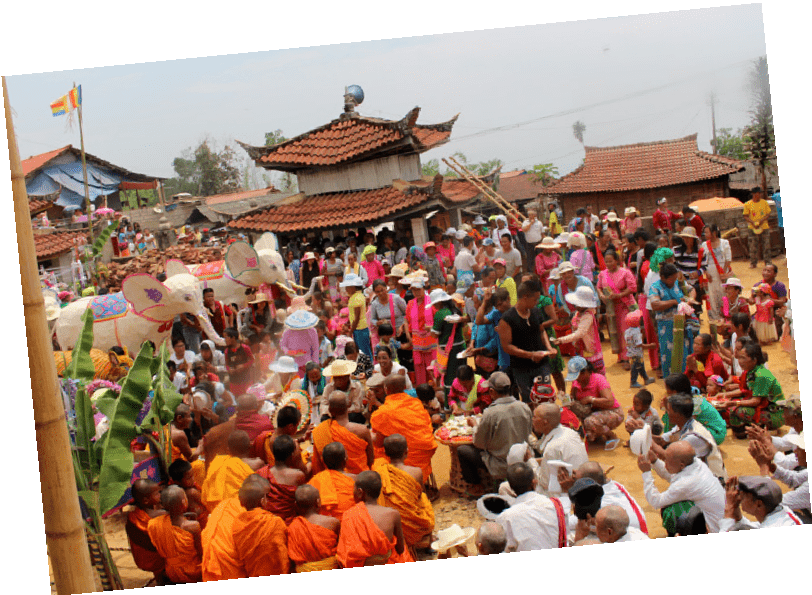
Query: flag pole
84, 172
64, 527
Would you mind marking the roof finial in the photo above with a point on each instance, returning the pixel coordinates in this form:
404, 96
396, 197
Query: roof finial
353, 95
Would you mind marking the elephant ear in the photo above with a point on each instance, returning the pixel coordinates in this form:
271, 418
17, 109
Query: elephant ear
176, 267
147, 296
267, 241
240, 259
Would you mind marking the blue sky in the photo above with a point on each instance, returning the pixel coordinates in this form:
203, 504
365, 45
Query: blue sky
142, 116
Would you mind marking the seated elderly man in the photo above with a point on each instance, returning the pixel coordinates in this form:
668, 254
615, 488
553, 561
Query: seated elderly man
757, 496
555, 443
691, 481
340, 372
788, 469
490, 539
612, 526
506, 421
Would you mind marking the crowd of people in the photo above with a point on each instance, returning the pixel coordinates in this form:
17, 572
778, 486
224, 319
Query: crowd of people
307, 443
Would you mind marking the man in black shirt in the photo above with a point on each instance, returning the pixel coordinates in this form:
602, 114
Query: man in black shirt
524, 340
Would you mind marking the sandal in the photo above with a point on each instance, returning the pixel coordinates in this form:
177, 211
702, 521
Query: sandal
612, 444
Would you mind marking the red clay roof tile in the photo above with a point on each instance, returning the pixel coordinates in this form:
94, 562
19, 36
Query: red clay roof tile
37, 161
53, 244
518, 185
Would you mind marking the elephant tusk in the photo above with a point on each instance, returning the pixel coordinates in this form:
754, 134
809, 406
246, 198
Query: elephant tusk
288, 289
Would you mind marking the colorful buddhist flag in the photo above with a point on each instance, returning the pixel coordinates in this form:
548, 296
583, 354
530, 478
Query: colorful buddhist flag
75, 97
60, 106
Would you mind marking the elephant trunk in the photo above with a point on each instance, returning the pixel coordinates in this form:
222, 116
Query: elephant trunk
209, 329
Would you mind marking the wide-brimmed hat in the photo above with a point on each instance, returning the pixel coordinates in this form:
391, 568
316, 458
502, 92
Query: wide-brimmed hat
438, 295
575, 366
562, 238
630, 210
547, 243
576, 240
480, 221
565, 267
399, 270
260, 297
351, 280
453, 536
428, 245
464, 227
417, 282
298, 303
301, 320
491, 506
554, 274
582, 297
612, 216
285, 364
340, 367
460, 235
309, 256
732, 282
688, 232
796, 440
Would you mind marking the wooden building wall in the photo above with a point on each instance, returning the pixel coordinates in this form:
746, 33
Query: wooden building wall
376, 173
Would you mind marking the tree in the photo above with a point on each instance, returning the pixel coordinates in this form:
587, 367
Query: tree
431, 167
729, 144
759, 137
205, 171
544, 173
483, 168
287, 182
578, 129
274, 138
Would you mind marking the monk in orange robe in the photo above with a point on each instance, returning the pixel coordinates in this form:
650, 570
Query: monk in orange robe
227, 472
181, 450
182, 473
402, 489
287, 423
335, 486
220, 560
259, 536
312, 537
404, 415
147, 496
371, 534
356, 438
283, 480
177, 538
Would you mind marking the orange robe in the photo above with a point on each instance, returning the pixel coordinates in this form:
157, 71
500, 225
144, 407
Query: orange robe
143, 550
361, 538
198, 466
223, 480
177, 547
402, 492
262, 447
336, 491
405, 415
260, 541
220, 561
328, 431
281, 498
311, 547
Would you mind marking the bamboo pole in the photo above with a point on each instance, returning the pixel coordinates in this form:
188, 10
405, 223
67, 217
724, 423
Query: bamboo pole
486, 190
84, 173
64, 527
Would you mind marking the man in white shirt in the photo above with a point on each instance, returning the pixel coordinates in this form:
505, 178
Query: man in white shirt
788, 469
591, 220
690, 479
511, 256
533, 521
179, 379
757, 496
612, 526
555, 443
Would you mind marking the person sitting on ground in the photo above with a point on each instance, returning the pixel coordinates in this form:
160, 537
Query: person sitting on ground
371, 534
227, 472
334, 484
147, 499
490, 539
690, 481
533, 521
181, 473
248, 417
287, 424
757, 496
402, 489
260, 539
556, 442
312, 537
356, 438
594, 402
642, 414
797, 479
507, 421
469, 392
220, 560
405, 415
283, 479
340, 374
177, 538
612, 526
704, 412
704, 363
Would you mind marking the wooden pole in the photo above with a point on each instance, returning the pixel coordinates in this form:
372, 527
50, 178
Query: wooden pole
64, 527
84, 172
486, 190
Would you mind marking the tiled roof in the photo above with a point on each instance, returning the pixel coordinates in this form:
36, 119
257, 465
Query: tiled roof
644, 165
351, 139
53, 244
37, 205
345, 209
37, 161
518, 185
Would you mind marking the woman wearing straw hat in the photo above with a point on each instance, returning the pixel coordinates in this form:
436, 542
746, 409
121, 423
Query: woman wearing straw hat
613, 229
686, 257
580, 257
300, 339
547, 259
449, 335
308, 269
332, 266
586, 336
257, 316
358, 318
632, 221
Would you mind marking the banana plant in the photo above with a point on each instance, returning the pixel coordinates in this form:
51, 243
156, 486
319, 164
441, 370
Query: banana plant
99, 242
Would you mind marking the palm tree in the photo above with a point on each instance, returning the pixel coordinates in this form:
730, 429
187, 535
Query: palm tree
578, 130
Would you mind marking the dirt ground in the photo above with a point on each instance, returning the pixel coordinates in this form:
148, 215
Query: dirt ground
451, 508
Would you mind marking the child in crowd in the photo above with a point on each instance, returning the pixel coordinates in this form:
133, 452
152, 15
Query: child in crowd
634, 348
714, 386
469, 392
733, 302
428, 396
182, 474
764, 319
385, 337
642, 411
325, 347
339, 324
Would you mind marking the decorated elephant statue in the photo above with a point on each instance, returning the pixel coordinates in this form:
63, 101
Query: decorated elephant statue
244, 269
143, 310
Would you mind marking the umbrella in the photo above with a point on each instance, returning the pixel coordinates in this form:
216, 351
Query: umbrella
105, 211
715, 204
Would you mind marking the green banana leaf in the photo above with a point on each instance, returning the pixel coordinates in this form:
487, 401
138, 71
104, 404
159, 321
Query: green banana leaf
85, 431
100, 241
166, 397
81, 366
117, 458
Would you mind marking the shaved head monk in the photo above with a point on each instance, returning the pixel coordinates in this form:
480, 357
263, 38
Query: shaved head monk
283, 479
356, 438
371, 534
259, 535
287, 423
177, 538
181, 473
402, 489
147, 497
334, 484
227, 472
180, 442
404, 415
248, 417
312, 537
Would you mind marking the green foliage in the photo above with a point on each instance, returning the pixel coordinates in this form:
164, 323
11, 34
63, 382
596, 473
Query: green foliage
205, 171
431, 167
729, 144
578, 129
165, 397
130, 200
759, 137
101, 240
478, 169
274, 138
544, 173
81, 366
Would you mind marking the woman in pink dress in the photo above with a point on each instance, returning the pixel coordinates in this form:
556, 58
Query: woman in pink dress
632, 222
594, 403
586, 336
546, 261
617, 284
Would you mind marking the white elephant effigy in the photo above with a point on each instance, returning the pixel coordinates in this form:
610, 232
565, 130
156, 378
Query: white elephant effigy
244, 269
143, 310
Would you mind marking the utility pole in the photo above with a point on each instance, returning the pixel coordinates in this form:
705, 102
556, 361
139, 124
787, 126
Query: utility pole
713, 119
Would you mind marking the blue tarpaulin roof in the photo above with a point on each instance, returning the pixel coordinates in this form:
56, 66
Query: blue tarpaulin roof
69, 177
